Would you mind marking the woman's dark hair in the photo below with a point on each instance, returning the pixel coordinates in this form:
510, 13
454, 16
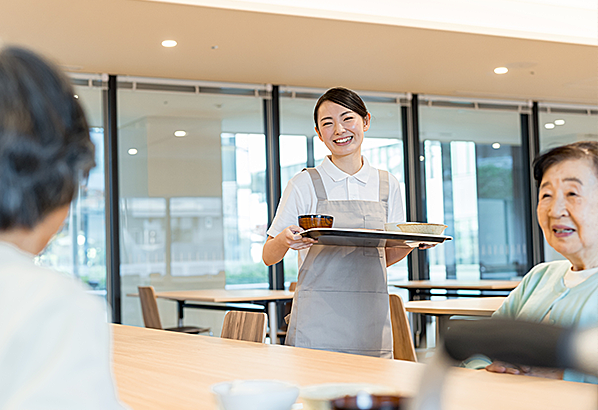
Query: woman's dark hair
342, 96
45, 147
577, 150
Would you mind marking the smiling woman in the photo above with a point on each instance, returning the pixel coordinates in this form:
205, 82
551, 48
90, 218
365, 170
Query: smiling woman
567, 201
563, 293
340, 290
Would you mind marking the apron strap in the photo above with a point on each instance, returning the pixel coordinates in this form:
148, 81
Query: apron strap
316, 179
384, 186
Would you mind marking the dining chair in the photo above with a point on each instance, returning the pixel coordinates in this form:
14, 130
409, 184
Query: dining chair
151, 315
403, 347
248, 326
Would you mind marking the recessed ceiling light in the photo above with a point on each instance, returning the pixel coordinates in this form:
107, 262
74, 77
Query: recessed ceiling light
180, 133
421, 158
549, 125
496, 145
76, 96
559, 122
501, 70
169, 43
132, 151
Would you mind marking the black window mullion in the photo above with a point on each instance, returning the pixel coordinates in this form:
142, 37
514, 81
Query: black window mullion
273, 182
113, 285
414, 183
530, 137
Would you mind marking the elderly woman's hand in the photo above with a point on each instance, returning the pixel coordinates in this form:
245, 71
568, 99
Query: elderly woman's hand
502, 367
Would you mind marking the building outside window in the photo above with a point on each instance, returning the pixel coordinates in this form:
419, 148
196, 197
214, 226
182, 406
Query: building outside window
473, 162
192, 183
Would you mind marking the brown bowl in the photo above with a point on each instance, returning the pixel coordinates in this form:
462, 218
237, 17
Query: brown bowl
315, 221
366, 401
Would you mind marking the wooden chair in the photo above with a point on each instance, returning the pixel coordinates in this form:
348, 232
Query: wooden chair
403, 348
248, 326
151, 315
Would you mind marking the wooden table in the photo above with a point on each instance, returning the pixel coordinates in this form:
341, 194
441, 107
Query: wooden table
444, 309
158, 370
221, 299
419, 288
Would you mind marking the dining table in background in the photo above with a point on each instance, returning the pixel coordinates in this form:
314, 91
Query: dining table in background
158, 370
229, 299
444, 309
419, 289
423, 289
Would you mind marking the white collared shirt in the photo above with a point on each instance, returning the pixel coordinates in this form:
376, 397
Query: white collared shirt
299, 197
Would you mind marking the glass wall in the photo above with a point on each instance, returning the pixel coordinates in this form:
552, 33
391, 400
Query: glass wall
382, 146
192, 181
473, 162
79, 249
560, 125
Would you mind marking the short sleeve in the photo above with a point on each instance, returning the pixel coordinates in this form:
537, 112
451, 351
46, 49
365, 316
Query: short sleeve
297, 199
396, 213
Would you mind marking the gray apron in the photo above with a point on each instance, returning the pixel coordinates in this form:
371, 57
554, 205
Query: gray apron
341, 301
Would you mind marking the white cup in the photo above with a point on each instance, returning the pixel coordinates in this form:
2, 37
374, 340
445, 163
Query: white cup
255, 395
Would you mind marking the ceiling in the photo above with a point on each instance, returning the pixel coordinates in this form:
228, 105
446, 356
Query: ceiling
123, 37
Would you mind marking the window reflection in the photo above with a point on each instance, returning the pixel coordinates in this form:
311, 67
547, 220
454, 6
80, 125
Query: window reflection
472, 163
193, 205
79, 248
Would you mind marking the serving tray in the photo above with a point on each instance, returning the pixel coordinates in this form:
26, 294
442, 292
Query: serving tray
371, 238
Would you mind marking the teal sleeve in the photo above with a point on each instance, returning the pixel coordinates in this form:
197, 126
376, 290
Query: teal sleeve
477, 362
573, 376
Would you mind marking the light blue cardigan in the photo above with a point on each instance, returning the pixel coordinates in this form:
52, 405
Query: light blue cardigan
543, 291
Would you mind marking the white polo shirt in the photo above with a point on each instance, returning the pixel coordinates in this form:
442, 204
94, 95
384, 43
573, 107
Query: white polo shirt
299, 197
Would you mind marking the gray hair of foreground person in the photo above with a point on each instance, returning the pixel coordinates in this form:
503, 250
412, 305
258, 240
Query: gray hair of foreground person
45, 148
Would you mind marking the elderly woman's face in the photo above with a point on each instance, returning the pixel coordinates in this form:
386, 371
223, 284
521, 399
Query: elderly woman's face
568, 211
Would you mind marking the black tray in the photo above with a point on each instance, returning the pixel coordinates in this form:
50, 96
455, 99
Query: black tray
370, 238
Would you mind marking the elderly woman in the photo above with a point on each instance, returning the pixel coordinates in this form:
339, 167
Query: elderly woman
564, 292
55, 343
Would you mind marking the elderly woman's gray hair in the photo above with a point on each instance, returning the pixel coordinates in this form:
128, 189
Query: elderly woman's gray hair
577, 150
45, 147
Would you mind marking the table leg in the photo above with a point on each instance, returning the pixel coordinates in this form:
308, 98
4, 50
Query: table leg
181, 312
442, 322
273, 322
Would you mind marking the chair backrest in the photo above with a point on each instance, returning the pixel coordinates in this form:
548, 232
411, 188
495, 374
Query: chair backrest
249, 326
403, 348
292, 286
149, 307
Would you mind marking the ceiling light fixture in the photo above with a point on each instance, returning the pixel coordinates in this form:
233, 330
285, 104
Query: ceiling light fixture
169, 43
559, 122
76, 96
549, 125
421, 158
180, 133
501, 70
496, 145
132, 151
